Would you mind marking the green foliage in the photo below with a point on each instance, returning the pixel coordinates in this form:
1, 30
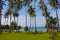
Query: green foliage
26, 28
27, 2
14, 25
54, 3
19, 27
15, 14
5, 26
31, 11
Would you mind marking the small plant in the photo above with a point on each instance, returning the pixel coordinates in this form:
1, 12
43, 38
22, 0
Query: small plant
26, 28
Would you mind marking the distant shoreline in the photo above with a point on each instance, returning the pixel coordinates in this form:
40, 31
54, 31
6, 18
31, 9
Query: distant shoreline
38, 29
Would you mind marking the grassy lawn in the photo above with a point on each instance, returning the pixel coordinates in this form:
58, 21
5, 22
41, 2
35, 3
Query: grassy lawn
24, 36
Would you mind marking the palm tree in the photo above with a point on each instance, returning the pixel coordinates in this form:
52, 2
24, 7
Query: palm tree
35, 14
16, 15
43, 6
0, 13
26, 4
6, 17
32, 15
10, 11
18, 6
13, 4
55, 4
1, 7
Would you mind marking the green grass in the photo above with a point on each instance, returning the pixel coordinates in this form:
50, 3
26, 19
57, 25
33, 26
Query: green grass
24, 36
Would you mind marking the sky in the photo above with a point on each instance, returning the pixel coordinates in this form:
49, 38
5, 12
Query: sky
40, 20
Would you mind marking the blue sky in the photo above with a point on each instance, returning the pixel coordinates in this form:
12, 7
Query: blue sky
40, 19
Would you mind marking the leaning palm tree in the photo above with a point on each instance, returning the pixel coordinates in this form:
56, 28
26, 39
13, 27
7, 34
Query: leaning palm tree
55, 4
43, 6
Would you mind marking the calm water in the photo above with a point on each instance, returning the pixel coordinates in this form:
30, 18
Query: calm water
33, 28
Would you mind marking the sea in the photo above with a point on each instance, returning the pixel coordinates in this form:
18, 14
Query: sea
43, 29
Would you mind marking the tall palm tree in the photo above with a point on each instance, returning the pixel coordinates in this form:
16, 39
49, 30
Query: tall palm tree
6, 17
32, 15
35, 15
26, 4
0, 13
10, 7
43, 6
55, 4
1, 7
18, 6
16, 15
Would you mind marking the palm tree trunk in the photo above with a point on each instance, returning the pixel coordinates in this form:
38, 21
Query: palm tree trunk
47, 25
17, 24
10, 24
0, 21
7, 21
0, 13
30, 24
26, 17
17, 20
35, 25
14, 19
35, 17
57, 19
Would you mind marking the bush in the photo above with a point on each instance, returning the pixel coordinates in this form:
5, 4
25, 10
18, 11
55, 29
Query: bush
5, 26
26, 28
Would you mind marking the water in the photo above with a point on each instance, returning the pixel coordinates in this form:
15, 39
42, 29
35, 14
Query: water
33, 28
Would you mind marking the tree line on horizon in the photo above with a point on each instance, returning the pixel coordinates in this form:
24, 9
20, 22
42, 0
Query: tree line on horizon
15, 5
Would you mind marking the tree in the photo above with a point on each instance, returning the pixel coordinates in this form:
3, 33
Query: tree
14, 25
26, 28
14, 4
6, 16
55, 4
18, 6
10, 11
32, 15
1, 7
35, 15
26, 4
16, 15
43, 7
0, 13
